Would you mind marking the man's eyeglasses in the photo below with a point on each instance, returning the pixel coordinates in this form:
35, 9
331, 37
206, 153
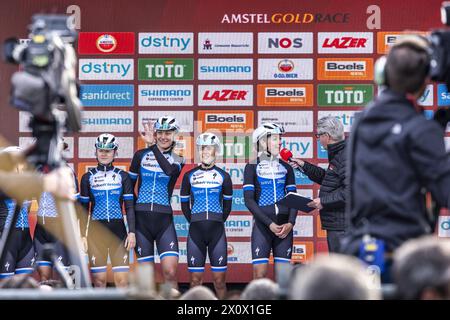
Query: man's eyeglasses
319, 134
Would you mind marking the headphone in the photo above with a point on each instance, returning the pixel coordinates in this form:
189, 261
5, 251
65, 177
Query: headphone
417, 42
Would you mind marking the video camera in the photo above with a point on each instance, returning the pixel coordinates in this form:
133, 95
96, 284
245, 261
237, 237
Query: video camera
46, 85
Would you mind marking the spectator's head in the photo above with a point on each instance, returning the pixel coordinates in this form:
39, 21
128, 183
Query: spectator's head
421, 269
334, 277
407, 66
329, 130
233, 295
198, 293
19, 281
260, 289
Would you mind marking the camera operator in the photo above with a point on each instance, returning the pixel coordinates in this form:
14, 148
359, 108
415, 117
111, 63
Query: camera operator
395, 154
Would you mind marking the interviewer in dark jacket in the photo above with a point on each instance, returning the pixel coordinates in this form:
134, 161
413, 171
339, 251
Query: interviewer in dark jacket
331, 200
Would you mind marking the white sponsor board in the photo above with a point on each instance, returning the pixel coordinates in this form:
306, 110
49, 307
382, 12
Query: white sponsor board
101, 121
285, 42
106, 69
86, 147
166, 42
345, 42
166, 95
301, 147
285, 69
225, 95
292, 121
304, 226
185, 119
225, 69
346, 117
225, 42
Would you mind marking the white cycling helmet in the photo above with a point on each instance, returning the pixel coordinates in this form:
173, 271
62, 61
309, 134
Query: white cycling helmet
266, 129
208, 139
106, 141
166, 123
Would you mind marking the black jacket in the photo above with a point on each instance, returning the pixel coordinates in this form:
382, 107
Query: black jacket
333, 187
394, 154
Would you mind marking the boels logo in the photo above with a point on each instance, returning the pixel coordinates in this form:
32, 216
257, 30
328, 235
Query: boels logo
238, 120
285, 96
385, 40
106, 43
344, 95
344, 69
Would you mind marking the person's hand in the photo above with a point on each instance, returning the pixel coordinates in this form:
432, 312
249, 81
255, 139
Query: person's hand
296, 163
84, 242
130, 242
285, 229
274, 228
148, 135
315, 204
60, 183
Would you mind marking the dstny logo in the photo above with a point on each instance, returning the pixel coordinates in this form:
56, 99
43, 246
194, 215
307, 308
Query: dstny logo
166, 69
171, 43
106, 69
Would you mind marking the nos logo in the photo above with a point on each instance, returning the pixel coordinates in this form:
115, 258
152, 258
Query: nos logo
285, 43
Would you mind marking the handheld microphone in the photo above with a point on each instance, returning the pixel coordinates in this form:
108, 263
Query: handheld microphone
286, 154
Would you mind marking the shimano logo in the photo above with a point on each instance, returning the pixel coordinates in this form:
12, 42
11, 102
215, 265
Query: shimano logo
106, 121
166, 93
225, 69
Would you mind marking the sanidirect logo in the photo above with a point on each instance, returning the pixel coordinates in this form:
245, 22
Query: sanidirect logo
225, 69
225, 42
285, 69
171, 43
166, 95
286, 96
348, 42
219, 95
239, 120
285, 42
106, 69
106, 43
443, 96
114, 95
329, 95
166, 69
285, 18
344, 69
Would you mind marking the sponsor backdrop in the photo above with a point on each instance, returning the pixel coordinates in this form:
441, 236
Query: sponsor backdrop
226, 66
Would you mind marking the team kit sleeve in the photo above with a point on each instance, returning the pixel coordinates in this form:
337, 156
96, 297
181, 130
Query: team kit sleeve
134, 167
85, 200
291, 187
315, 173
128, 199
249, 196
169, 169
227, 189
185, 196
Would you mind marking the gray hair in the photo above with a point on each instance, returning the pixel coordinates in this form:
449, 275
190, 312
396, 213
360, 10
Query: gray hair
332, 126
421, 264
260, 289
334, 277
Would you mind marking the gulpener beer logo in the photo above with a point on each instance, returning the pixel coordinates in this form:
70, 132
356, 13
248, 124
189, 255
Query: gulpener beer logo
106, 43
286, 66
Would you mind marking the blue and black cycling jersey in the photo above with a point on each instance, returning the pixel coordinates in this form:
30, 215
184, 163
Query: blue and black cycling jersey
206, 194
47, 205
22, 219
157, 173
105, 188
265, 183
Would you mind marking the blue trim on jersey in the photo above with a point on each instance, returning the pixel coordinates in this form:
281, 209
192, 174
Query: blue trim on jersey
196, 269
184, 198
282, 260
44, 264
121, 269
227, 197
84, 199
146, 259
6, 275
133, 175
98, 269
24, 271
219, 269
260, 261
169, 254
248, 187
128, 197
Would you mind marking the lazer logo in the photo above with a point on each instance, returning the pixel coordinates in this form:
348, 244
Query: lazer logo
214, 118
345, 42
225, 95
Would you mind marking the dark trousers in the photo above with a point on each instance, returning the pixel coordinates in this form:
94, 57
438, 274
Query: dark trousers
334, 240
